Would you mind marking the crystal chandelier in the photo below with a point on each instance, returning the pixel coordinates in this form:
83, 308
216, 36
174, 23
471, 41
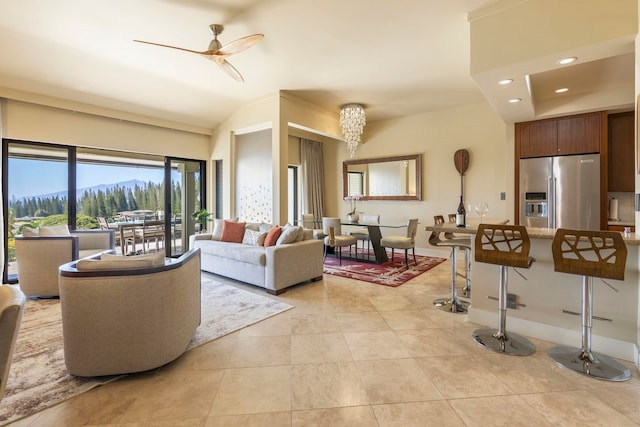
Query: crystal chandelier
352, 120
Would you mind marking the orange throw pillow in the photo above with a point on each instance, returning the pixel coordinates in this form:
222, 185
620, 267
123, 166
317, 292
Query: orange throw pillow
272, 236
232, 232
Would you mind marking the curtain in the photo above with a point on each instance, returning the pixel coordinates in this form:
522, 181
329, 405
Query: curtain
312, 169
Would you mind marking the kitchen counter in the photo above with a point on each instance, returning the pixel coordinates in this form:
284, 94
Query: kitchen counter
631, 239
549, 303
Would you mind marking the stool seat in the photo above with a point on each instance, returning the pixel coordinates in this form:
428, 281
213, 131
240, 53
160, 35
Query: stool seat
590, 254
505, 246
452, 303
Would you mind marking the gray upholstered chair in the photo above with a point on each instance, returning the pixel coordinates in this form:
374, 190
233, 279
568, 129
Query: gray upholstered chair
128, 314
38, 257
331, 227
403, 242
11, 307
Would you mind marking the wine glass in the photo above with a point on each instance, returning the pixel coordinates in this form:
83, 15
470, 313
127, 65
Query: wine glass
481, 209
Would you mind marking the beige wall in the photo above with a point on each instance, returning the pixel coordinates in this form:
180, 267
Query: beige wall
33, 122
437, 136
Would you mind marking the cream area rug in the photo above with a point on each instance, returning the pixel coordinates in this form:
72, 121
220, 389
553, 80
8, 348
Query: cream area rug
38, 377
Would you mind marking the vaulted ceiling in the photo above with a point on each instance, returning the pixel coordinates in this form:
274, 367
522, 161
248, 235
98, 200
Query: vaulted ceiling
397, 58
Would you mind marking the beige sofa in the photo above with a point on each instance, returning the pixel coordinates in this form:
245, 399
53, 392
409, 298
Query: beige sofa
274, 268
124, 315
11, 308
38, 257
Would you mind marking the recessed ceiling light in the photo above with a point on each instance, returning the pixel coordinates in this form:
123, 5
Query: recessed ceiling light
505, 81
562, 90
514, 100
565, 61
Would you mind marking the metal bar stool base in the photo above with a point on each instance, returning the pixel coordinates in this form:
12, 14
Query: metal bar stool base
591, 364
512, 344
451, 305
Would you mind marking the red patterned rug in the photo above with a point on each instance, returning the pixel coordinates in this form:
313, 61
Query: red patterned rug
392, 273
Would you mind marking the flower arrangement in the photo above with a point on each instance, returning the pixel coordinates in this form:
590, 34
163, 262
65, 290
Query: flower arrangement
353, 199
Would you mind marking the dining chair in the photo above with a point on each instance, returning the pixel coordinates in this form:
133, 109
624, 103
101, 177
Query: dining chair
363, 233
309, 221
148, 233
403, 242
334, 238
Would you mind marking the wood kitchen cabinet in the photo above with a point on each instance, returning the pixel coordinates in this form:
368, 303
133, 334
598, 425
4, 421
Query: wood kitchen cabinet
579, 134
621, 173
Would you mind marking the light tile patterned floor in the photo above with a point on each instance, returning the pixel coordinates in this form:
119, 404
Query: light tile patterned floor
354, 354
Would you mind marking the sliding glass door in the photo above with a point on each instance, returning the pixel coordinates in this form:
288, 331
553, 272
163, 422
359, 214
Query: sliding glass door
85, 188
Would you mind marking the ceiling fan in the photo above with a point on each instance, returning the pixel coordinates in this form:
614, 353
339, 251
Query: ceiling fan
218, 53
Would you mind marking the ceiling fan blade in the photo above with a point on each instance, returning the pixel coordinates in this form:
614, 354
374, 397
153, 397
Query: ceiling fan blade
175, 47
229, 69
239, 45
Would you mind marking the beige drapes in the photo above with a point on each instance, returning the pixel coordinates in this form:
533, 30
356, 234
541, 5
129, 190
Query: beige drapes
312, 178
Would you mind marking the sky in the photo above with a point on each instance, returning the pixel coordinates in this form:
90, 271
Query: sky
36, 177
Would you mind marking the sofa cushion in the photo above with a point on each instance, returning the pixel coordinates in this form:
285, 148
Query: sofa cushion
233, 251
273, 235
232, 232
30, 232
54, 230
119, 262
156, 259
253, 237
290, 234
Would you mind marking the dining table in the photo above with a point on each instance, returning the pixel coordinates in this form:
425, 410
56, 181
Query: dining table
122, 226
375, 235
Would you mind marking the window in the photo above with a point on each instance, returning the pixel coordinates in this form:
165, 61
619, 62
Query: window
355, 183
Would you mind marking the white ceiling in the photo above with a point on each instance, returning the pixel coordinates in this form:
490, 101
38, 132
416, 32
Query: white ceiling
398, 57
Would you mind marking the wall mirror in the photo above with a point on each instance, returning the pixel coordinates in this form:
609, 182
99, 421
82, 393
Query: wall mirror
384, 178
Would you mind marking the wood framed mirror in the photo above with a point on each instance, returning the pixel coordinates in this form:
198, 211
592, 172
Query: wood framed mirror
384, 178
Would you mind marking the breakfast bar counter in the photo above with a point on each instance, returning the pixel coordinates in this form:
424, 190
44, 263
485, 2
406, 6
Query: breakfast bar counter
549, 303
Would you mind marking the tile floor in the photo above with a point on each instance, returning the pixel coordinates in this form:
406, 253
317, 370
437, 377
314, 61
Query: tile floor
354, 354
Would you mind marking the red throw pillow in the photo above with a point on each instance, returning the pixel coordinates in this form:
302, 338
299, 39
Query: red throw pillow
232, 232
272, 236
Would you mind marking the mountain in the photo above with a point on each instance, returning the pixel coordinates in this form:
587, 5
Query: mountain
102, 187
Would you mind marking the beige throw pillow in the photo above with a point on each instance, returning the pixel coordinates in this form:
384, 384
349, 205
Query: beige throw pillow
253, 237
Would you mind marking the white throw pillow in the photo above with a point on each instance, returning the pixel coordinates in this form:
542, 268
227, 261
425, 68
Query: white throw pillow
217, 227
253, 237
55, 230
289, 234
30, 232
156, 259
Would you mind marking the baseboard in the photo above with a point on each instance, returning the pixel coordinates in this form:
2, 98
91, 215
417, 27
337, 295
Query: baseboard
624, 350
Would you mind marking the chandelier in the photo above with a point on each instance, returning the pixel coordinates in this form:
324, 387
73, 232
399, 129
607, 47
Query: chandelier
352, 120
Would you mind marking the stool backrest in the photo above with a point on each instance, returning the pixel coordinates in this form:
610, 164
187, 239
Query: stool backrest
503, 245
589, 253
452, 217
438, 219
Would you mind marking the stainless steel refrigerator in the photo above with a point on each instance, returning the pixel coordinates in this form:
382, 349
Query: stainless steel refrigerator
562, 191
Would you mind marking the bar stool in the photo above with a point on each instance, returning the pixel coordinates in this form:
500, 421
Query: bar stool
451, 303
466, 290
589, 254
505, 246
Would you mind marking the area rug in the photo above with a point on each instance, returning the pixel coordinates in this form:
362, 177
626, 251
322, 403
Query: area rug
38, 378
392, 273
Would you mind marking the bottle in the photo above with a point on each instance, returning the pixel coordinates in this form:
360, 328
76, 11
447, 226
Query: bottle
461, 215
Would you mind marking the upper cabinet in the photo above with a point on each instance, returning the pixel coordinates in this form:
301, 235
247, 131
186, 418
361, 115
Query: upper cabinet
579, 134
621, 173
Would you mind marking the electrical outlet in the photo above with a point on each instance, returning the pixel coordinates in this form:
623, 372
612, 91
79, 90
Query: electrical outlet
512, 301
503, 196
